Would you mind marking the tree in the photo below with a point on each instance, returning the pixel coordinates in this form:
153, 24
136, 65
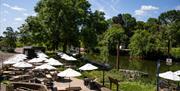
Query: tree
152, 25
1, 38
144, 43
169, 17
118, 19
168, 20
140, 25
62, 18
94, 26
115, 36
9, 39
127, 22
33, 32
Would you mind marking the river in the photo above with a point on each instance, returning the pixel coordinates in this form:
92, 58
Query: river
149, 66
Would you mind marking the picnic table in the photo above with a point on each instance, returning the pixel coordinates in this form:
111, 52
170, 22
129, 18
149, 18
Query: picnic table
48, 76
73, 88
8, 72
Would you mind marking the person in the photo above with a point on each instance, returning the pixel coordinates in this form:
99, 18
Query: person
51, 85
37, 81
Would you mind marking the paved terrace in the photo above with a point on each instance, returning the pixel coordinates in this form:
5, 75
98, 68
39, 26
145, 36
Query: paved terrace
74, 83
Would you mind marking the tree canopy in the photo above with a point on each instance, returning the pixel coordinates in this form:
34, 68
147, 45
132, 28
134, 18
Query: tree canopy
8, 42
60, 24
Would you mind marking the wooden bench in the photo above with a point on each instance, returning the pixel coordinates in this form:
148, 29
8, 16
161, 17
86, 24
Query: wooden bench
73, 88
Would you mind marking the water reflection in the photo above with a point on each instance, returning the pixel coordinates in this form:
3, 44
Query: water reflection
148, 66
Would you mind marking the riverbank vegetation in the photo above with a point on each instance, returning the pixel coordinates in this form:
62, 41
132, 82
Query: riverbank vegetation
72, 23
125, 84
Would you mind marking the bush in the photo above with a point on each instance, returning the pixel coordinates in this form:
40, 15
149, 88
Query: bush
5, 49
175, 52
136, 86
125, 84
6, 82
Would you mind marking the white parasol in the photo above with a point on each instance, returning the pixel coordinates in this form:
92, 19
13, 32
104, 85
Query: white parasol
170, 76
53, 62
23, 65
45, 66
88, 66
69, 73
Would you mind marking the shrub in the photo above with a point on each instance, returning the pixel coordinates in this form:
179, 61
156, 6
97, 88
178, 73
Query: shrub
175, 52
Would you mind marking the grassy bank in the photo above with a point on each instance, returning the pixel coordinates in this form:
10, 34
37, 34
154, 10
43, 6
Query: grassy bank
125, 83
175, 52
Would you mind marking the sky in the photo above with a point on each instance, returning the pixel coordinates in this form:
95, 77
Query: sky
14, 12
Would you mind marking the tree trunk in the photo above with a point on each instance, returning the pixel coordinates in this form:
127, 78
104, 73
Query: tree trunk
64, 47
117, 57
169, 48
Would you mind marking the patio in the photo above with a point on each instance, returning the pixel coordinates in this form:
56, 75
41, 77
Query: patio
61, 86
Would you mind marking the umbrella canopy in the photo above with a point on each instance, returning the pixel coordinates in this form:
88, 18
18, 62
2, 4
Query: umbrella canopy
41, 54
45, 66
60, 53
169, 75
13, 60
53, 62
88, 66
177, 72
43, 58
69, 73
23, 65
68, 58
21, 56
35, 60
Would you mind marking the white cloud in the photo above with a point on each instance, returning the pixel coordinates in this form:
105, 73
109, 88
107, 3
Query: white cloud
101, 9
18, 19
177, 7
149, 7
114, 9
6, 5
17, 8
139, 12
144, 9
25, 14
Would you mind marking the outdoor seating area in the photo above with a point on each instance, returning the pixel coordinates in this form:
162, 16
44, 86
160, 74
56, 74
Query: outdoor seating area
43, 70
22, 86
170, 81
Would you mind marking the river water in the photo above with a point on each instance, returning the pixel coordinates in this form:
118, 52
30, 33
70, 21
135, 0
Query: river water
148, 66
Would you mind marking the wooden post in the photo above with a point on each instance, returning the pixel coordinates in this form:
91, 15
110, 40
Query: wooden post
169, 47
117, 87
115, 81
103, 77
110, 85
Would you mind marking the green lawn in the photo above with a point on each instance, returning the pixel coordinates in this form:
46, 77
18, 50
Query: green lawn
125, 84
